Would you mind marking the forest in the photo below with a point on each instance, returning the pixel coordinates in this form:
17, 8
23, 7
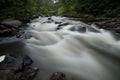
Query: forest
99, 8
22, 9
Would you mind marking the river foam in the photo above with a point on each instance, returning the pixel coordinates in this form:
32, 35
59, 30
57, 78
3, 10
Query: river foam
88, 56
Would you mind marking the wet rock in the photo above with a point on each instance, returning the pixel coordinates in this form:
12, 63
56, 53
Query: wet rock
27, 61
23, 35
29, 73
11, 63
19, 75
82, 29
20, 34
17, 68
58, 22
27, 21
11, 22
6, 32
58, 76
50, 20
10, 27
7, 75
62, 24
117, 29
112, 24
78, 28
73, 28
2, 27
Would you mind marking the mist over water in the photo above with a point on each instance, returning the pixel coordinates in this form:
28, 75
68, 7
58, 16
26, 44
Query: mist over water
90, 55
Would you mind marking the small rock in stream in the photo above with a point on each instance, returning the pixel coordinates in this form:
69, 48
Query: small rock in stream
58, 76
58, 22
62, 24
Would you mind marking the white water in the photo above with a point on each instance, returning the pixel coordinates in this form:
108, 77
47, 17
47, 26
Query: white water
2, 58
85, 56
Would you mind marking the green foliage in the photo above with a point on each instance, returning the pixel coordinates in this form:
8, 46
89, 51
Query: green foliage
61, 10
109, 8
22, 9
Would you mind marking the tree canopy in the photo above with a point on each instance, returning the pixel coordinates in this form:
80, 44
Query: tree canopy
93, 7
22, 9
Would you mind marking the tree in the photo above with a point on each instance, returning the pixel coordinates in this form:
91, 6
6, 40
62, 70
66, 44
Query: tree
22, 9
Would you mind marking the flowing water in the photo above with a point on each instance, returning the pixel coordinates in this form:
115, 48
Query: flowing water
90, 55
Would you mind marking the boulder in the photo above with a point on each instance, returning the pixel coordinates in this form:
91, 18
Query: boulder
9, 27
78, 28
27, 61
117, 29
16, 68
58, 76
7, 75
6, 32
82, 29
29, 73
11, 22
11, 63
73, 28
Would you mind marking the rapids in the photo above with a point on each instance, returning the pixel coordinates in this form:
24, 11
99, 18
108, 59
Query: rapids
90, 55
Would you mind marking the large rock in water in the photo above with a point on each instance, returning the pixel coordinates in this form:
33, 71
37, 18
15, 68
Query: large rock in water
78, 28
16, 68
11, 63
11, 22
9, 27
5, 31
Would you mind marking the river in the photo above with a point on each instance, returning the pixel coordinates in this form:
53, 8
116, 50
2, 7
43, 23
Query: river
90, 55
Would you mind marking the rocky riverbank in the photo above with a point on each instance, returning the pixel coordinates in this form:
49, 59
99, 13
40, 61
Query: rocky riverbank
112, 24
12, 30
19, 68
9, 27
16, 68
